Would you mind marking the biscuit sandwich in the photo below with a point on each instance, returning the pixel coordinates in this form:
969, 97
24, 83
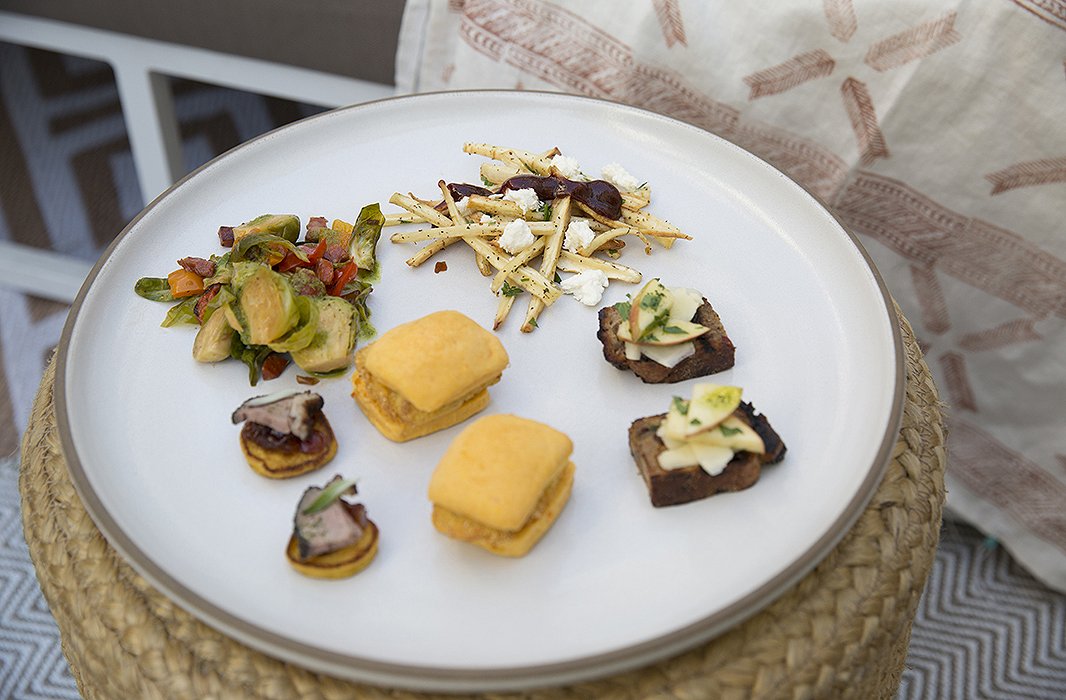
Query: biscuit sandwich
285, 434
427, 375
502, 483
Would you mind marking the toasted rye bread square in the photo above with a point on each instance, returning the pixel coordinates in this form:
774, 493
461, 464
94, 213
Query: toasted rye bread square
714, 350
677, 486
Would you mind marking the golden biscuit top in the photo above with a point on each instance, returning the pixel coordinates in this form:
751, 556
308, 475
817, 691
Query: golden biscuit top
436, 359
497, 468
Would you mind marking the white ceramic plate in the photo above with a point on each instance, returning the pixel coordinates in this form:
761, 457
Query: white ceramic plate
615, 583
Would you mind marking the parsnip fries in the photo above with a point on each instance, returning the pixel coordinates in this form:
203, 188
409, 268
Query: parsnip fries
536, 216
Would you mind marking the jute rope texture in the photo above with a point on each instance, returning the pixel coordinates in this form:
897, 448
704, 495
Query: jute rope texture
842, 632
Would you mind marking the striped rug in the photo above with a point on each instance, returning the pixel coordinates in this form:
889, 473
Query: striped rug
985, 627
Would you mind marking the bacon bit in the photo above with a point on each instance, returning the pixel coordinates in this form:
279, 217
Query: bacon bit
302, 379
336, 253
225, 236
274, 365
204, 268
325, 271
440, 266
201, 303
317, 222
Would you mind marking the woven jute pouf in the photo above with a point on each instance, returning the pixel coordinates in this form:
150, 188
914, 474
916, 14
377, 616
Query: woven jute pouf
841, 632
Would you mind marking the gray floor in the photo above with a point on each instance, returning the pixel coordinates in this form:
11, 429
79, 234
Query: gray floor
985, 628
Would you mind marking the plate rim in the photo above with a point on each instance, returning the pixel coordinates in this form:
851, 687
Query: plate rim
472, 679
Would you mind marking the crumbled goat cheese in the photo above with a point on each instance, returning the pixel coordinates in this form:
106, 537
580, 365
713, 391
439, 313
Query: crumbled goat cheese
516, 236
578, 235
566, 166
587, 286
617, 176
485, 219
526, 199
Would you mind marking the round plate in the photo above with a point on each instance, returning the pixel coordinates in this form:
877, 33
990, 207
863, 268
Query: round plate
615, 583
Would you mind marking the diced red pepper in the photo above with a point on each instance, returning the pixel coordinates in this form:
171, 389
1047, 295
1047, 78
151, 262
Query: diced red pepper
315, 255
291, 260
345, 275
288, 262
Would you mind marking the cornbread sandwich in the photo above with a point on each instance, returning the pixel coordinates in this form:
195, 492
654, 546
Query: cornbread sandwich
427, 375
502, 483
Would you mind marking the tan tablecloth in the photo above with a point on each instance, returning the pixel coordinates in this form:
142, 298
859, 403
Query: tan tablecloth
933, 129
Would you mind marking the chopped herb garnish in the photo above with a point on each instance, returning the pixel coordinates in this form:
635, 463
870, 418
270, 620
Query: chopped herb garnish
673, 329
695, 421
509, 290
727, 431
557, 279
681, 405
487, 182
651, 301
658, 322
546, 210
533, 322
333, 491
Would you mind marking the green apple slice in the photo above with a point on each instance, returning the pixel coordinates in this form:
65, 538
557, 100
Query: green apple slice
732, 433
675, 425
710, 405
651, 302
674, 333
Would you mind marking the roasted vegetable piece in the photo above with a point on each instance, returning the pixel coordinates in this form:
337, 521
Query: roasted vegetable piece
306, 283
185, 283
213, 340
265, 302
334, 339
285, 226
251, 355
182, 312
153, 288
365, 235
342, 277
265, 248
304, 332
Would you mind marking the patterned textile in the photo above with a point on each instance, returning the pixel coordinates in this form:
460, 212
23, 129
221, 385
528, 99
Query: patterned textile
934, 130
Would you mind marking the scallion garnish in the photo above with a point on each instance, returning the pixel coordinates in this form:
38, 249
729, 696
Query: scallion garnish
334, 490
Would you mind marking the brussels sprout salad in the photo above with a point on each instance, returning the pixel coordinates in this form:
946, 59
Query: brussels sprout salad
274, 299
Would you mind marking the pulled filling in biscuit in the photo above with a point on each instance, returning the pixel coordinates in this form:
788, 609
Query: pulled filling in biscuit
546, 510
396, 409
